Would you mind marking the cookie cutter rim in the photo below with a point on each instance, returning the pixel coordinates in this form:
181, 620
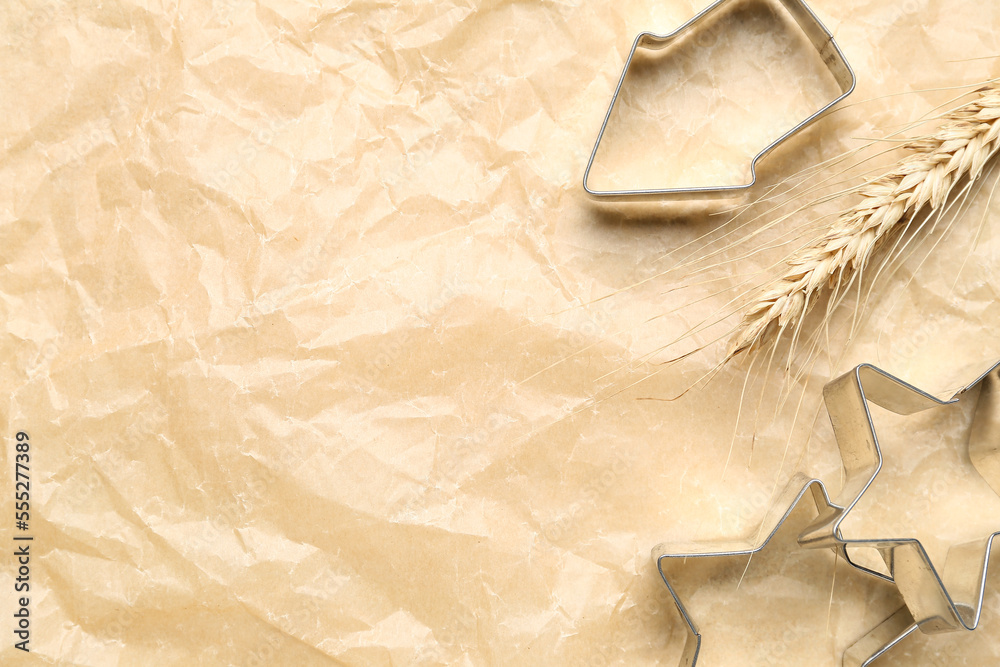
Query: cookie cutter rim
928, 604
821, 38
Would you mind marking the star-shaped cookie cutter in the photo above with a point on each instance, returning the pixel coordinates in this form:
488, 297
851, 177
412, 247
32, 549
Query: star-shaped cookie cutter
665, 554
817, 33
935, 602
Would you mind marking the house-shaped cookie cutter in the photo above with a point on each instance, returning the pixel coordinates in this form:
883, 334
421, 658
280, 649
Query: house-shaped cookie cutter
814, 30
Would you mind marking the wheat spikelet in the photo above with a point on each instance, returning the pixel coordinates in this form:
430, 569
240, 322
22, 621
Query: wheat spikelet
966, 140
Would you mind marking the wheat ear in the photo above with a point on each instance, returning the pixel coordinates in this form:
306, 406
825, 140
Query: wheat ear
966, 140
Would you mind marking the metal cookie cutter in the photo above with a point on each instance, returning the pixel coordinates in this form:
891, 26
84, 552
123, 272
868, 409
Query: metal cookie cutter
935, 601
821, 39
667, 555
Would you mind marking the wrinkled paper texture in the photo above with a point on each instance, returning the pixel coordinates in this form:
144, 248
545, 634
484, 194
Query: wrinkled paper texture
299, 313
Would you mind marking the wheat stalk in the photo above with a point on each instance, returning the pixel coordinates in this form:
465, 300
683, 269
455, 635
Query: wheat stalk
966, 140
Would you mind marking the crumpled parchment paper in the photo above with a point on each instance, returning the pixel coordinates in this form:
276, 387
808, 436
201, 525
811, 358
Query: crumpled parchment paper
297, 313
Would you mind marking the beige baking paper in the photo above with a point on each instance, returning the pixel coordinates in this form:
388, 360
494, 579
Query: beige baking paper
299, 316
